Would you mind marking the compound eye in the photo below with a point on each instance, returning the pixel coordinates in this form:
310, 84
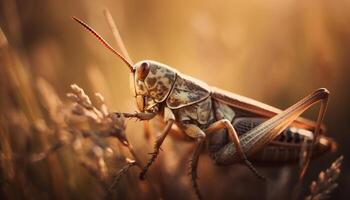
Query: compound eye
143, 70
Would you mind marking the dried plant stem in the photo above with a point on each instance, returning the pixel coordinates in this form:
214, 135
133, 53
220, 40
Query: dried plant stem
138, 163
94, 172
47, 152
21, 84
133, 153
302, 162
326, 182
125, 169
7, 168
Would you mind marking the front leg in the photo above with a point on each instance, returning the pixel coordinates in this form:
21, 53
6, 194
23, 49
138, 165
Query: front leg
138, 115
143, 117
169, 118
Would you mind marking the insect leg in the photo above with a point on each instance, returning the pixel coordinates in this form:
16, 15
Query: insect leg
195, 132
193, 166
169, 118
321, 114
137, 115
224, 123
141, 116
263, 134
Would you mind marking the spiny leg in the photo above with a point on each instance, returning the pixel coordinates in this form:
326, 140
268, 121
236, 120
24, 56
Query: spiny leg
224, 123
141, 116
305, 152
320, 118
263, 134
137, 115
274, 126
195, 132
268, 130
169, 118
156, 148
194, 165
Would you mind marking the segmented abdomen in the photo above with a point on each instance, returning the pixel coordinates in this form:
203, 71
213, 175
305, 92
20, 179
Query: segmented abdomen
287, 146
275, 154
290, 136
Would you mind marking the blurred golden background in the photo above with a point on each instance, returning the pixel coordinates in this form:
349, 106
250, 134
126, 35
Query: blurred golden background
273, 51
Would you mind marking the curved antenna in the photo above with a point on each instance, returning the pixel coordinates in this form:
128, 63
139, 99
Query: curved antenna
87, 27
116, 34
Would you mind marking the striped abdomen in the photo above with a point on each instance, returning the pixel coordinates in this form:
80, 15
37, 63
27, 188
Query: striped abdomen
287, 146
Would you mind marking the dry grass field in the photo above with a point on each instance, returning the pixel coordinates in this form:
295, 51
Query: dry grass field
59, 89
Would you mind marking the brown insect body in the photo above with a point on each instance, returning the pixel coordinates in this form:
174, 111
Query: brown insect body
194, 102
236, 127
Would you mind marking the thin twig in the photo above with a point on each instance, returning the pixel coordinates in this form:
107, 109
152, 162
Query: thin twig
49, 151
124, 170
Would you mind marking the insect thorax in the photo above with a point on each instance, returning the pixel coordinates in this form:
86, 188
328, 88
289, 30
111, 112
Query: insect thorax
200, 114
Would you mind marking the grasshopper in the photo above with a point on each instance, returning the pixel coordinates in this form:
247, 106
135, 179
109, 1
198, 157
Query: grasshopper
236, 128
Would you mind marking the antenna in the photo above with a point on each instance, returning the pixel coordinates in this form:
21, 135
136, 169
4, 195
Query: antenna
87, 27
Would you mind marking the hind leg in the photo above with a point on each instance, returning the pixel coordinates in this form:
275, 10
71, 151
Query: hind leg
196, 133
226, 124
255, 139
